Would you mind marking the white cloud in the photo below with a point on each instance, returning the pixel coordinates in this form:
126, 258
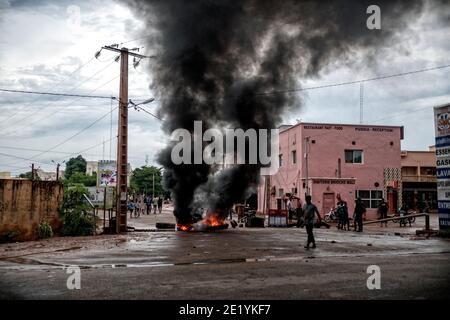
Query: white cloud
39, 49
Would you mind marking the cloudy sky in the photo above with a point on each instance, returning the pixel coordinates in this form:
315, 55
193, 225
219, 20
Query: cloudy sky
50, 45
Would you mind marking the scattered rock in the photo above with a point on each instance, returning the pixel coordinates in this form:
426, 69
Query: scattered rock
369, 244
332, 241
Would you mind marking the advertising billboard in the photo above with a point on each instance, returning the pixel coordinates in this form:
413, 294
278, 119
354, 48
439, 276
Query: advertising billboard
442, 133
107, 173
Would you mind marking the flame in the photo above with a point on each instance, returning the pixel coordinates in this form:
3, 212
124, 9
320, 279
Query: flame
184, 227
213, 220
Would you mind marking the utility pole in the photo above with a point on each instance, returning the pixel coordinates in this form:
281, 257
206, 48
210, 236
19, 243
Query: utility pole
57, 172
153, 188
122, 139
57, 168
306, 165
32, 171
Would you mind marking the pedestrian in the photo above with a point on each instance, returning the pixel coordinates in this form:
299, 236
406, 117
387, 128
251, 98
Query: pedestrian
383, 208
403, 213
155, 205
309, 211
148, 203
160, 203
360, 210
342, 213
289, 207
299, 213
130, 207
142, 205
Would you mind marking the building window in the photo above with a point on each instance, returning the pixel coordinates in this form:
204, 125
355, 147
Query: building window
370, 198
280, 193
280, 160
353, 156
294, 157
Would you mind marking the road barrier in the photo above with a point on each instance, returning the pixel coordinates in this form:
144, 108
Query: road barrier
426, 215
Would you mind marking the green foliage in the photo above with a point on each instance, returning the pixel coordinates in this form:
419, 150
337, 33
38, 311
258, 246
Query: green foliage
77, 221
75, 165
29, 175
82, 178
45, 230
142, 180
73, 198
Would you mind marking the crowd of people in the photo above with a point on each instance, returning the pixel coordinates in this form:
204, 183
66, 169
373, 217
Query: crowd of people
140, 204
306, 215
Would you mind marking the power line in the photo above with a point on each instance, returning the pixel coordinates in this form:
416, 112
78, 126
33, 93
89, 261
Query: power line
56, 94
74, 135
79, 85
61, 108
153, 115
354, 82
53, 87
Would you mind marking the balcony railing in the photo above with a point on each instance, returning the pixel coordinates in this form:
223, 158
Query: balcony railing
417, 178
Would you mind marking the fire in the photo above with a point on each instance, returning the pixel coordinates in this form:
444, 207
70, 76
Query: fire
184, 227
213, 220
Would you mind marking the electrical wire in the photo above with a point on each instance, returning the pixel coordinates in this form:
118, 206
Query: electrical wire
46, 106
56, 94
353, 82
53, 87
60, 108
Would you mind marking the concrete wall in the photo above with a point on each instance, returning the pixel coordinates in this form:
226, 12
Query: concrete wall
24, 204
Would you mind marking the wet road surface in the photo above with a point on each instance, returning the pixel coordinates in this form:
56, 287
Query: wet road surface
229, 264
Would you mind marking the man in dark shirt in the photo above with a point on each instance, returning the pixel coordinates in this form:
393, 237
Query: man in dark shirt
309, 211
383, 208
360, 210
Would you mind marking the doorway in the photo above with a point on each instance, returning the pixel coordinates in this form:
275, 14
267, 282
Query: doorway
328, 202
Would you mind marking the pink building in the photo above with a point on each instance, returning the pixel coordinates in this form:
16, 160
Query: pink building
331, 159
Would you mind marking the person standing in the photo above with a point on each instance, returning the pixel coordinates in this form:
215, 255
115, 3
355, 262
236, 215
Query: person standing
148, 203
309, 211
289, 208
160, 203
342, 212
155, 205
383, 208
130, 207
360, 210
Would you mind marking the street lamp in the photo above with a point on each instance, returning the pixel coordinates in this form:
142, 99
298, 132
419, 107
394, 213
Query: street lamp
137, 107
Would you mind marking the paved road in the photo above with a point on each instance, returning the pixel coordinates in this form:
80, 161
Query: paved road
230, 264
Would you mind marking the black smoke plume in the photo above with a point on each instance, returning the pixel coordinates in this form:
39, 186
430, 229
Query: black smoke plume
232, 63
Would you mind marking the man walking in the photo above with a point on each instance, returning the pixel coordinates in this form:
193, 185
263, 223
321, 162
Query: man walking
360, 210
383, 208
309, 210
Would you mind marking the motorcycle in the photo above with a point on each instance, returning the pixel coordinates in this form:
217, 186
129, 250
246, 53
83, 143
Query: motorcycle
401, 216
330, 216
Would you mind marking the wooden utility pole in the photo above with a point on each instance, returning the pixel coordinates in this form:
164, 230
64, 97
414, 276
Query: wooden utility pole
307, 166
32, 171
122, 139
57, 171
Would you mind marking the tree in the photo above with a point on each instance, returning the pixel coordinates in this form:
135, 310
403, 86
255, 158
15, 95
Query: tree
75, 165
142, 180
29, 175
82, 178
